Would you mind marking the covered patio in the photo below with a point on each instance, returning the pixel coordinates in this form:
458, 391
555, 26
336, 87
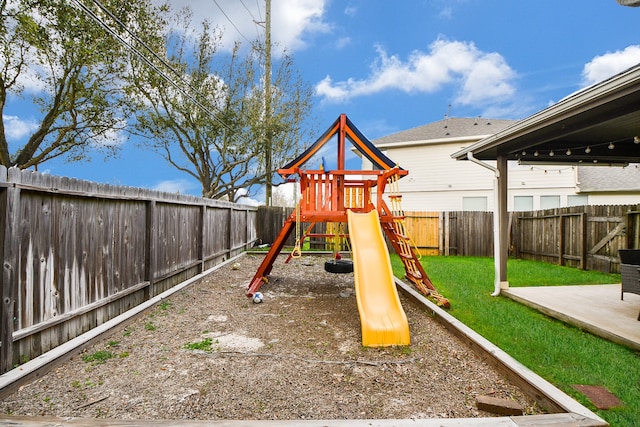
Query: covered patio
600, 126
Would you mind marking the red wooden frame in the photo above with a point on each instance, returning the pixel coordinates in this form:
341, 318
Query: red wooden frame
325, 196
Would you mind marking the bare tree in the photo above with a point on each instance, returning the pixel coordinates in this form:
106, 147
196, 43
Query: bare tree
212, 126
57, 57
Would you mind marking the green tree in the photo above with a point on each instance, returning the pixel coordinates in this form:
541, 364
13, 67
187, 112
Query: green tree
79, 72
213, 128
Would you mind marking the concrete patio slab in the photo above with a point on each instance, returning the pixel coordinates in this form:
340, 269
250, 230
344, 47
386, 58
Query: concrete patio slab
594, 308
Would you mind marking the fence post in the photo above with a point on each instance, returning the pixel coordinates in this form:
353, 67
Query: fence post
230, 232
203, 224
441, 234
10, 268
583, 241
150, 257
561, 239
247, 233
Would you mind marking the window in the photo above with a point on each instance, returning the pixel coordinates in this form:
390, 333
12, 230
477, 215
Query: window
577, 200
474, 203
523, 203
549, 202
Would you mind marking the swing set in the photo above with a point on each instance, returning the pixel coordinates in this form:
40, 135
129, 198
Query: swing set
327, 197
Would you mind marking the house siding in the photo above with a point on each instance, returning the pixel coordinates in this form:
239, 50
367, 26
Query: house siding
613, 198
437, 182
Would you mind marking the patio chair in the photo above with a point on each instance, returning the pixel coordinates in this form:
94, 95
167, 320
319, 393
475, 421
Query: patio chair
630, 271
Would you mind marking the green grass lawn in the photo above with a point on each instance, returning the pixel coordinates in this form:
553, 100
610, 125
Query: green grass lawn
562, 354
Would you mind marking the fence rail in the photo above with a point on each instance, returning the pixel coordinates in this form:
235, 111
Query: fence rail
77, 254
586, 237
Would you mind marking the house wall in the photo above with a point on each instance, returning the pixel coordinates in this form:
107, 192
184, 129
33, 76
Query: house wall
613, 198
541, 182
436, 182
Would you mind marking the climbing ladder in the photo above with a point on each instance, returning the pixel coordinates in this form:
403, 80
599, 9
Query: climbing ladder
396, 232
327, 195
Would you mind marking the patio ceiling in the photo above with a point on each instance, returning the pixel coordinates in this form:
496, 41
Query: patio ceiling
597, 125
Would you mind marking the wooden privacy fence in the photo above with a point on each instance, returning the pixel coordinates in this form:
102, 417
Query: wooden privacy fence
451, 233
270, 221
586, 237
446, 233
77, 254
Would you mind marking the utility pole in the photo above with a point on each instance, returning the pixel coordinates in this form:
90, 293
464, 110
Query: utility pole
268, 135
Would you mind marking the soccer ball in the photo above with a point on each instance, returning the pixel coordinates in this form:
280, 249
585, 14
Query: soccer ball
257, 298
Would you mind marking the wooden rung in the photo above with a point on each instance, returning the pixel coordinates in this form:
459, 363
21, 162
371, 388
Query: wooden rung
415, 275
405, 248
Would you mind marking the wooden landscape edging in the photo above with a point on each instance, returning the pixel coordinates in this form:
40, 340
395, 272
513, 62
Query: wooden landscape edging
10, 381
568, 411
546, 394
77, 253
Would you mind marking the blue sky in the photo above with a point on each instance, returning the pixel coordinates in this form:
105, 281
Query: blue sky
392, 66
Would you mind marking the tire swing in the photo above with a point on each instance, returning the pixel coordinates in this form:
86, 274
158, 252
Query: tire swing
337, 265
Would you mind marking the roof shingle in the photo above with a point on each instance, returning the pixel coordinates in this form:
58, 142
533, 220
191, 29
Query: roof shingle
451, 127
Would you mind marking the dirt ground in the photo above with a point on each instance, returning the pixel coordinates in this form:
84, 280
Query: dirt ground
209, 352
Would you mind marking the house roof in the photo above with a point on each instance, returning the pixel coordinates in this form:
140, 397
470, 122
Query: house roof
448, 128
599, 124
599, 179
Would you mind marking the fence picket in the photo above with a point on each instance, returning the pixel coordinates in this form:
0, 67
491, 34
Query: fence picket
78, 253
586, 237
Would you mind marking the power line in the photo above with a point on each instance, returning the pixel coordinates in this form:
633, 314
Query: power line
146, 60
232, 23
248, 10
258, 6
256, 23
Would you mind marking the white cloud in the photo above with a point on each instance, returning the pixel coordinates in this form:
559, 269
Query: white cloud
285, 194
483, 77
611, 63
446, 13
16, 128
292, 21
181, 186
32, 78
244, 199
112, 137
488, 77
343, 42
351, 10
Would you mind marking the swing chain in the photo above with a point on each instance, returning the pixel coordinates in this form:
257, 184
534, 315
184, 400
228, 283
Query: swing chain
297, 251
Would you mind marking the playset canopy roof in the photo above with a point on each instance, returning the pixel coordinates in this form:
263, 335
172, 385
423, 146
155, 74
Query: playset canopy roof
344, 128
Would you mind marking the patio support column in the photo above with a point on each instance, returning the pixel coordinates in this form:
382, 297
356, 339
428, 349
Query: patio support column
497, 240
503, 219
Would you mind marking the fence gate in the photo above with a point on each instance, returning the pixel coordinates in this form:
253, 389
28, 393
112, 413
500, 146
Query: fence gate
425, 229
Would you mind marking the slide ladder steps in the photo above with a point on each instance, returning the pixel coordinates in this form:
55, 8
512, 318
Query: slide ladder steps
397, 233
414, 271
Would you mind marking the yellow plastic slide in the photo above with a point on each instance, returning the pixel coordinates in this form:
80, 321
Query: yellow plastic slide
383, 320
